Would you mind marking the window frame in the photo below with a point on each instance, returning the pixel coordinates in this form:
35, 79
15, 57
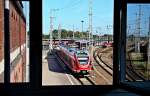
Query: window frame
35, 44
135, 86
35, 55
35, 50
7, 14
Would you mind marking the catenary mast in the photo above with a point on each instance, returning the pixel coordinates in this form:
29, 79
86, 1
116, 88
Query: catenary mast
51, 29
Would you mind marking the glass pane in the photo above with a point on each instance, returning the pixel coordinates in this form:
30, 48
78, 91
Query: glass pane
1, 41
19, 49
138, 46
77, 42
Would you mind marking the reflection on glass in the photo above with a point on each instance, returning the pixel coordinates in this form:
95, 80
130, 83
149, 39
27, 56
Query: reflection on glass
138, 42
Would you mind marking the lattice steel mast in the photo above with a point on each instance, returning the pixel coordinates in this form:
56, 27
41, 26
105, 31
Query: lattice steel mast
90, 19
59, 33
51, 29
138, 31
148, 63
90, 27
73, 33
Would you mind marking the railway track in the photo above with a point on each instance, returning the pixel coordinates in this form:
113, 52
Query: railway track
101, 63
104, 57
101, 68
132, 73
85, 80
107, 65
136, 76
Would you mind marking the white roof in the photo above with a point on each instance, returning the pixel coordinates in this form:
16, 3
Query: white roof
82, 41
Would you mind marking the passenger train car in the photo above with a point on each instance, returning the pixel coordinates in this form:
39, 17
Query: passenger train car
106, 44
78, 60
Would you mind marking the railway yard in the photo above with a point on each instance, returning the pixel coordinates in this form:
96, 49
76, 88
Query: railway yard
87, 48
55, 72
136, 62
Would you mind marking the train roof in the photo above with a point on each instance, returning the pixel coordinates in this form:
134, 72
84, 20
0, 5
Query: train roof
73, 50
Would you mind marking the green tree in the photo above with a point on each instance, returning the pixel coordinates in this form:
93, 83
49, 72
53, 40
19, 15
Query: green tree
55, 34
70, 34
45, 36
63, 33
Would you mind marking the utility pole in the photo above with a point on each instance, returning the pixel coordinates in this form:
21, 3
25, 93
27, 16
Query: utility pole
148, 63
59, 33
108, 27
73, 32
128, 39
90, 28
82, 27
99, 28
96, 37
90, 19
51, 29
137, 32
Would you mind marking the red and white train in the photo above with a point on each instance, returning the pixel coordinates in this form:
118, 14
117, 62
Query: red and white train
106, 44
78, 60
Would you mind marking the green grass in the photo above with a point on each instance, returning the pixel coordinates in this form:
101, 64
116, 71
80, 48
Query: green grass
136, 56
139, 62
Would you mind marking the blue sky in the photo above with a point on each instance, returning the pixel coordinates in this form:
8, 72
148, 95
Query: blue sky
26, 12
132, 9
73, 11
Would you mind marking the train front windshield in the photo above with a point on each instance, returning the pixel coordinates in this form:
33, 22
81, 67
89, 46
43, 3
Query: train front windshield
83, 44
83, 58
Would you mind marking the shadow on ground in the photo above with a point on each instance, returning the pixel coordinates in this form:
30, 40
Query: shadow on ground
54, 65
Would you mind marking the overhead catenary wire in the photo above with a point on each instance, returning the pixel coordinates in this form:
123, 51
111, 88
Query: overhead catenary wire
144, 19
71, 5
